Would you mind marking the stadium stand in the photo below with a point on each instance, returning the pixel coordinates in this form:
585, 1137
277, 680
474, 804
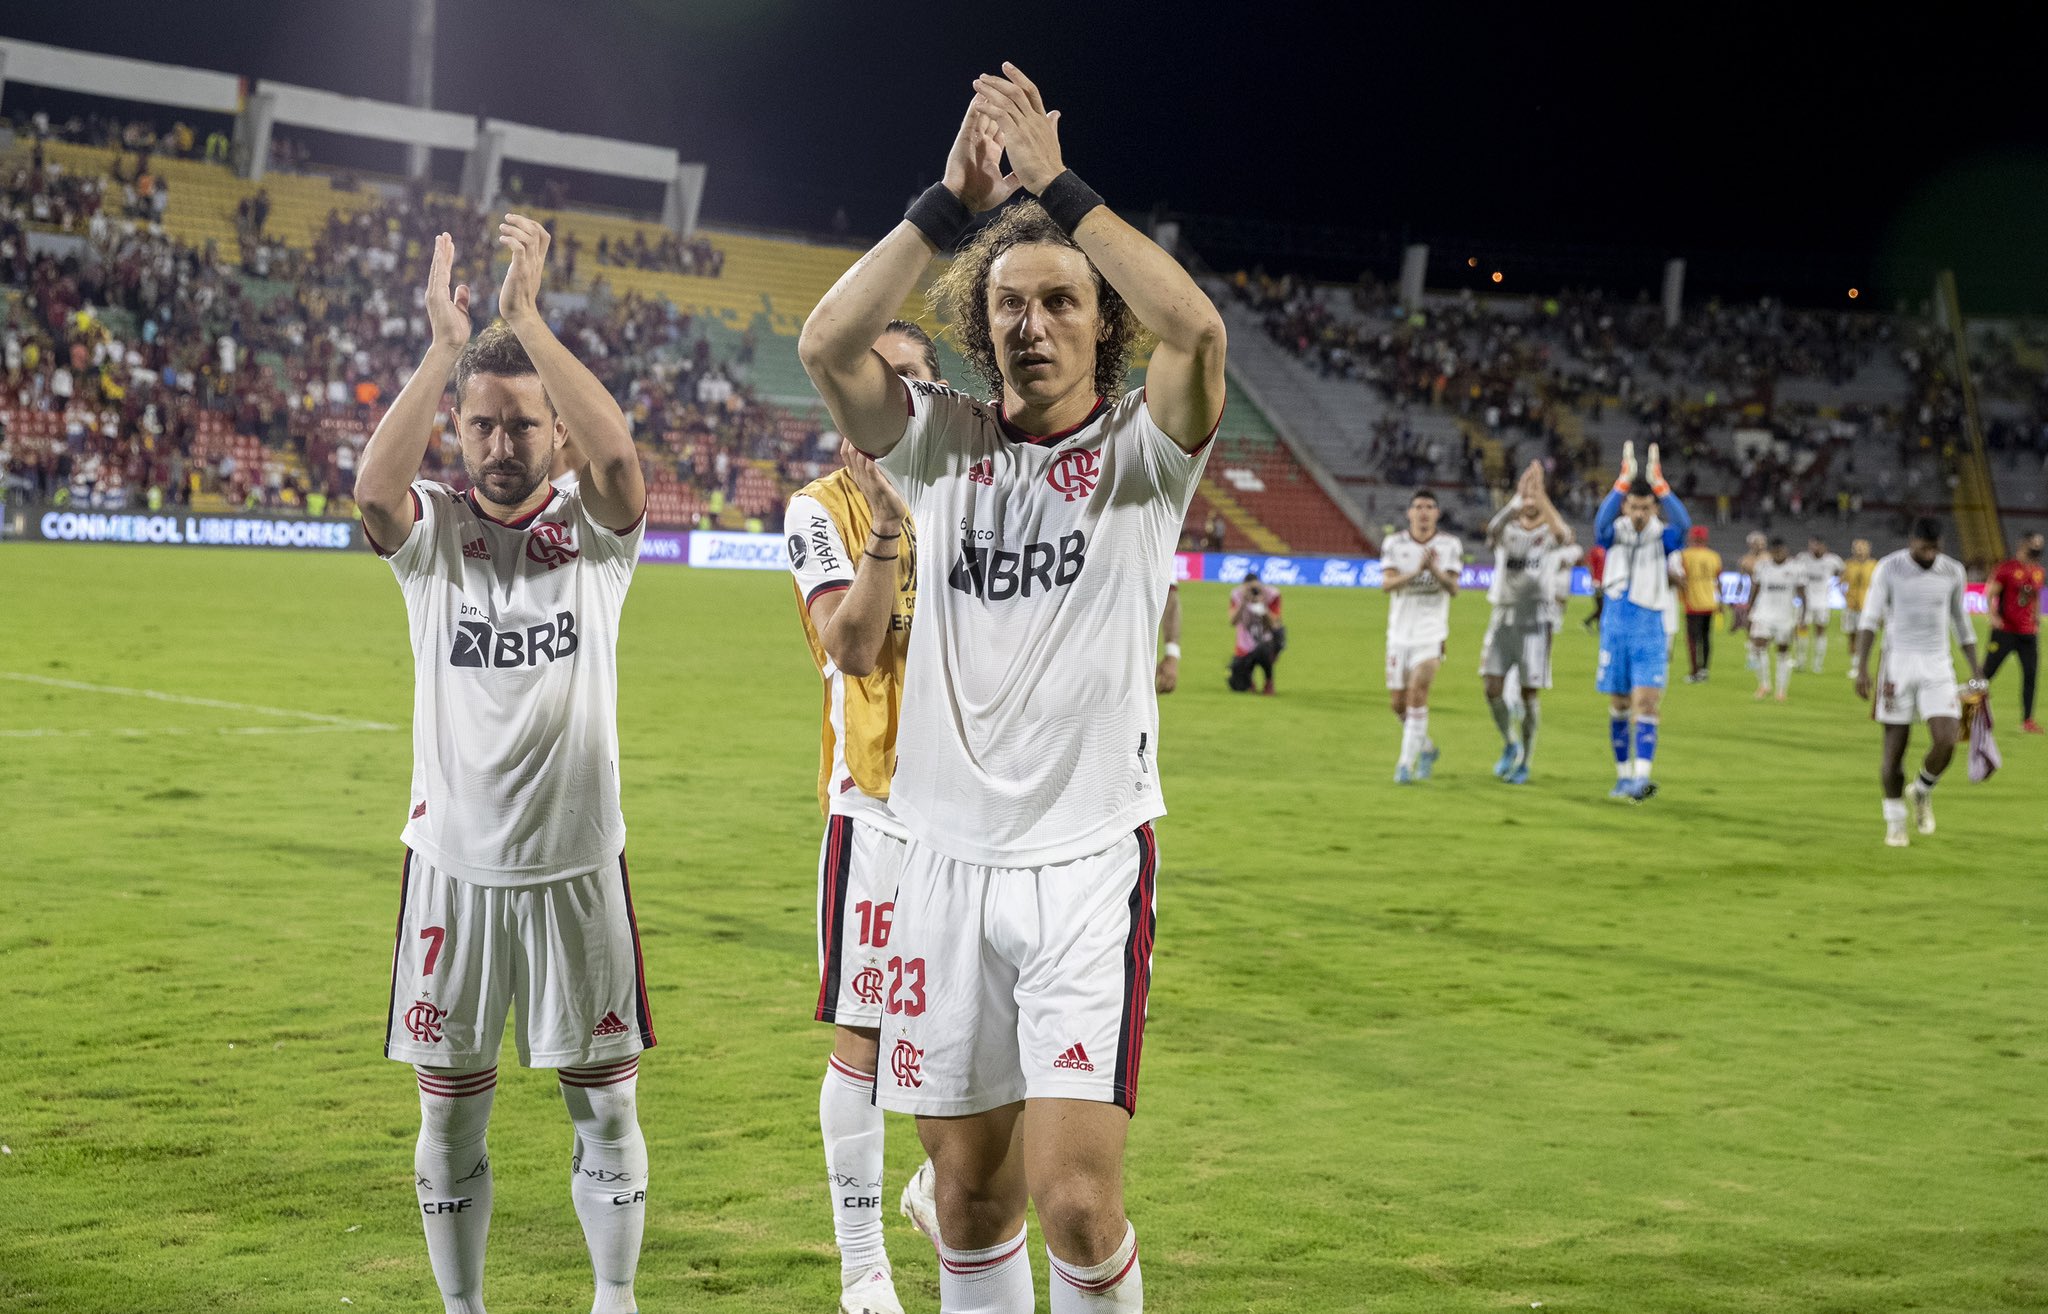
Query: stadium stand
230, 344
1795, 421
309, 278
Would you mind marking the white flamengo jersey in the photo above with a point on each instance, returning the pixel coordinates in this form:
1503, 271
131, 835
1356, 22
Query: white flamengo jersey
1030, 729
515, 740
1820, 577
1918, 606
1777, 585
1420, 611
1521, 586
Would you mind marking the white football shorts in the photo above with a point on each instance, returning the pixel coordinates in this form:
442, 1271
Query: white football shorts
1524, 649
1817, 614
1015, 983
1849, 622
1766, 627
1403, 658
566, 954
858, 865
1915, 686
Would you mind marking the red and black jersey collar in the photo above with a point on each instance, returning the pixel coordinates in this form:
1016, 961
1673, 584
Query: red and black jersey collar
522, 522
1016, 435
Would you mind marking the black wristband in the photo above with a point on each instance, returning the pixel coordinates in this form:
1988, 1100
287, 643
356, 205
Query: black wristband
942, 217
870, 552
1067, 201
879, 534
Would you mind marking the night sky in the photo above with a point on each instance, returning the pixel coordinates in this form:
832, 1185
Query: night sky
1776, 147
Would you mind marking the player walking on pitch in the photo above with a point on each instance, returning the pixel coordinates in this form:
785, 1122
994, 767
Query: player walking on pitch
1774, 585
1419, 571
1817, 593
1525, 535
856, 613
515, 895
1856, 573
1916, 598
1640, 522
2014, 601
1028, 773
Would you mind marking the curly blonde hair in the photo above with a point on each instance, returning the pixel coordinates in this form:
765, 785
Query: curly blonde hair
959, 297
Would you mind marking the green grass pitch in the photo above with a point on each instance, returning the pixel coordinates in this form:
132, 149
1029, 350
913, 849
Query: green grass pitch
1444, 1048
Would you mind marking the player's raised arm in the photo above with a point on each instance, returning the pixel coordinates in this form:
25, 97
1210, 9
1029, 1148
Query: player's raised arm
1677, 520
392, 458
1184, 383
1610, 506
853, 623
613, 487
837, 345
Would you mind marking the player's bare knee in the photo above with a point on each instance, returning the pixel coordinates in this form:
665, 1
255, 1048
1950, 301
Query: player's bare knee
1082, 1215
857, 1047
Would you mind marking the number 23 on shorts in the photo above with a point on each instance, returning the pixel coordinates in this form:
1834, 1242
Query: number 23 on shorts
906, 987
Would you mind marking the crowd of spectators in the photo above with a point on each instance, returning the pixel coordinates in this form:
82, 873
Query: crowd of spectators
669, 253
175, 374
1535, 374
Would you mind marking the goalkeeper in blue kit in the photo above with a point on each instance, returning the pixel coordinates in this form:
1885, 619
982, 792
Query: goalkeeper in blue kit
1640, 523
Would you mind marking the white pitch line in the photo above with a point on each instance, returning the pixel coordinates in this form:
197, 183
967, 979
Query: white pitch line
158, 695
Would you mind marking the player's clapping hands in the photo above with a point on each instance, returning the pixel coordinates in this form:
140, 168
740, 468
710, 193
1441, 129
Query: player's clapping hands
447, 308
1655, 472
1023, 126
974, 167
527, 243
1628, 467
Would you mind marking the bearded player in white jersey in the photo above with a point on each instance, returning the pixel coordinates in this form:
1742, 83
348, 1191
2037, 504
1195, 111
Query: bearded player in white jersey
1916, 598
1419, 571
515, 896
1028, 768
857, 608
1526, 534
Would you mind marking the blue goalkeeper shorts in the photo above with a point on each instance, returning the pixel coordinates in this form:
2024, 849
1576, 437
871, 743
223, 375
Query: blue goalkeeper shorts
1635, 653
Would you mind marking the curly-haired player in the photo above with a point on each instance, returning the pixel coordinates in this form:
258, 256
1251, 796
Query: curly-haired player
1021, 955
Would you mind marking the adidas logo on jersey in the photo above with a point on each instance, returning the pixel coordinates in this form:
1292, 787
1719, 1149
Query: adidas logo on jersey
477, 551
983, 472
997, 574
477, 644
610, 1026
1076, 1058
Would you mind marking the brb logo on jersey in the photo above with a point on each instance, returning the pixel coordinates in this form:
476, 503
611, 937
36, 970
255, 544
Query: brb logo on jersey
996, 573
547, 544
477, 644
1075, 472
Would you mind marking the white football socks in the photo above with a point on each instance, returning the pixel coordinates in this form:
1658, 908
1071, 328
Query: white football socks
992, 1281
1760, 662
1414, 735
1532, 720
1820, 650
608, 1174
451, 1168
1786, 665
1113, 1285
852, 1127
1895, 812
